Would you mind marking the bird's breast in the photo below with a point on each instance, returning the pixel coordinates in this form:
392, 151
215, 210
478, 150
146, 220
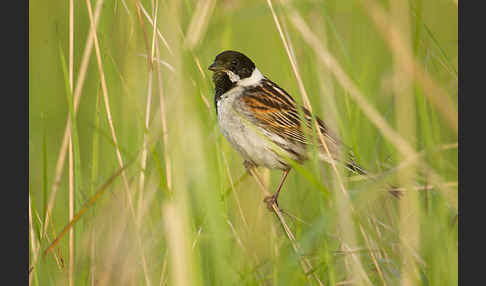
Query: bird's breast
251, 141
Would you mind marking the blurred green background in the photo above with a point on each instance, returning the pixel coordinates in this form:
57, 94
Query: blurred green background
186, 218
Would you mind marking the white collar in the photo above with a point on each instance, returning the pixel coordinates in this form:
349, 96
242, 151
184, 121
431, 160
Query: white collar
254, 79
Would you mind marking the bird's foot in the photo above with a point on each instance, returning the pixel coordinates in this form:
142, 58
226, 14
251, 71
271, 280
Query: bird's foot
248, 165
270, 200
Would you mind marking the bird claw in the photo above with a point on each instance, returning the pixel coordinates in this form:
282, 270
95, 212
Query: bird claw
248, 165
270, 200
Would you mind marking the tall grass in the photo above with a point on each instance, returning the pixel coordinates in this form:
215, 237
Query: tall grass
126, 155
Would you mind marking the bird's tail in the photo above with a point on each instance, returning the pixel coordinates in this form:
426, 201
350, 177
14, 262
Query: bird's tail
354, 167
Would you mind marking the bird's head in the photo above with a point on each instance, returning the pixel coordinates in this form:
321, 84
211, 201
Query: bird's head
238, 67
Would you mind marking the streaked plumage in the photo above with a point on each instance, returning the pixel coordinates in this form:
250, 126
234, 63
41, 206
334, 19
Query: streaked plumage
255, 115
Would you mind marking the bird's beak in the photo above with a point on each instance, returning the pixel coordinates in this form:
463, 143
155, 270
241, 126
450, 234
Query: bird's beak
215, 67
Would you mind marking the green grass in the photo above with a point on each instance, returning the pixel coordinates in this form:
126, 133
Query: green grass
193, 227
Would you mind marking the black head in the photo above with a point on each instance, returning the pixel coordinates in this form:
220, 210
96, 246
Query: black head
235, 64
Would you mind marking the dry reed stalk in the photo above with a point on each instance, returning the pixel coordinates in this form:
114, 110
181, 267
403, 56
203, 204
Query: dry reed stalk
58, 255
88, 204
348, 208
406, 162
71, 44
329, 105
199, 67
33, 243
67, 134
373, 115
107, 106
112, 129
137, 218
373, 256
234, 192
111, 252
363, 277
71, 167
147, 108
163, 120
199, 23
304, 262
304, 94
71, 214
144, 30
164, 41
246, 251
179, 256
348, 238
398, 44
80, 213
328, 85
259, 275
145, 132
406, 122
92, 257
163, 279
142, 211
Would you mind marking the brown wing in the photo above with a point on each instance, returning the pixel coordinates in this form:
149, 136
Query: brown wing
273, 109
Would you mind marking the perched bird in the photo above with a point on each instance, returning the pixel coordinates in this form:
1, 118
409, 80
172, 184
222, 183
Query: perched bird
262, 122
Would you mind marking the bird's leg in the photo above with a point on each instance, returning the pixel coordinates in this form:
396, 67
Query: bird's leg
273, 198
248, 165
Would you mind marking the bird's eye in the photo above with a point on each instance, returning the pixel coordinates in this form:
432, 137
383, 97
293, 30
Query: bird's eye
234, 62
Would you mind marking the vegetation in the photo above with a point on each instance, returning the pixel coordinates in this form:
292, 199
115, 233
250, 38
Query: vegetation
124, 144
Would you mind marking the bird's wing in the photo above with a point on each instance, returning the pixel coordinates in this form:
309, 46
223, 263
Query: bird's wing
270, 107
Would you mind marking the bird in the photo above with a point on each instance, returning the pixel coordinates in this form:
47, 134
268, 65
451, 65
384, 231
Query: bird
262, 122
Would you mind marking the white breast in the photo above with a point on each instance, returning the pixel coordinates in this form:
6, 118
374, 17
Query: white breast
247, 139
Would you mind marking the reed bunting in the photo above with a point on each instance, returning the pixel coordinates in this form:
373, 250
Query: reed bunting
262, 122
